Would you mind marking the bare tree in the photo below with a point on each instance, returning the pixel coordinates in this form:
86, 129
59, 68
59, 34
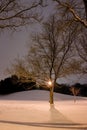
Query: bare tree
75, 91
76, 9
51, 55
15, 13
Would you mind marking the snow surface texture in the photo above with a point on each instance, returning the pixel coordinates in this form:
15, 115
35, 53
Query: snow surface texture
30, 110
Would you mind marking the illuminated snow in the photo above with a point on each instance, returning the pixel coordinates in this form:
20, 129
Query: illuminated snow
31, 110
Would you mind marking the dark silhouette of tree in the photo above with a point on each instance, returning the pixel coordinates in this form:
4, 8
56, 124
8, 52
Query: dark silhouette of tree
14, 84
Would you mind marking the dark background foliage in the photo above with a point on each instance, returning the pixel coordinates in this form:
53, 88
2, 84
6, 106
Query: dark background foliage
14, 84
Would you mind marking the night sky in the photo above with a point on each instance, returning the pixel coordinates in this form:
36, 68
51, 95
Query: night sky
13, 44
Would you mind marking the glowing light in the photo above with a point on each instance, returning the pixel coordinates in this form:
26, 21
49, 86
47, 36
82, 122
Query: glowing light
50, 83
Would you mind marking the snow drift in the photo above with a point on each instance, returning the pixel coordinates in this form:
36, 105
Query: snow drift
31, 110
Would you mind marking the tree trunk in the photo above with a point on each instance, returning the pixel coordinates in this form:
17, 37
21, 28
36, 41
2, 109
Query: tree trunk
52, 92
51, 95
85, 4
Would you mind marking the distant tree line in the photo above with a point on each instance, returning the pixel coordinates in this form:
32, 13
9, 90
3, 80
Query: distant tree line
14, 84
76, 89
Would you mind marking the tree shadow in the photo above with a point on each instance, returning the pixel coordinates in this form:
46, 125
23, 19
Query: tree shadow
57, 116
49, 125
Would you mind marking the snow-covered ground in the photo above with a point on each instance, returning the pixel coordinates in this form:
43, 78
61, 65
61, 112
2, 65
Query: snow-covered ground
30, 110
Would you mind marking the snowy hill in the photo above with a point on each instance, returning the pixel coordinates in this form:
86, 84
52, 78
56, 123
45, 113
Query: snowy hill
31, 110
38, 95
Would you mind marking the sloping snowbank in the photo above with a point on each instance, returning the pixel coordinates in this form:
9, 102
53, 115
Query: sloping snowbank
38, 95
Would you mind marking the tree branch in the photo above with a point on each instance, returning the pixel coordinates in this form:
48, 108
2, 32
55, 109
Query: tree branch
76, 16
20, 12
